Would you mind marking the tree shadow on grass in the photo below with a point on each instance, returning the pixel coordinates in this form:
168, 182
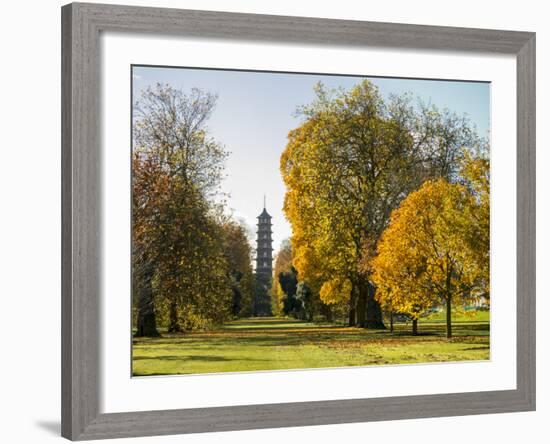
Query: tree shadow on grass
275, 340
290, 329
399, 334
295, 337
264, 321
476, 348
242, 340
206, 358
291, 340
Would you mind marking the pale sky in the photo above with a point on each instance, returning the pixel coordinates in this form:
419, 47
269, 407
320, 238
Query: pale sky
255, 111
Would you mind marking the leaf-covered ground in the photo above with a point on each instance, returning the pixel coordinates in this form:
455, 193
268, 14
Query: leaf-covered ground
275, 344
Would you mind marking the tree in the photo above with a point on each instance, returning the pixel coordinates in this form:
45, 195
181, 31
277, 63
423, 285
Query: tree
283, 289
429, 252
475, 175
288, 282
238, 253
169, 126
346, 167
179, 262
304, 296
283, 262
192, 273
149, 184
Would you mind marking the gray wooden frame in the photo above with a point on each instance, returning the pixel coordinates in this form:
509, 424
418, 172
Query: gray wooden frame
81, 232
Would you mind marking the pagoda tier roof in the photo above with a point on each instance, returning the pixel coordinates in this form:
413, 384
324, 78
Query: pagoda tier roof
264, 214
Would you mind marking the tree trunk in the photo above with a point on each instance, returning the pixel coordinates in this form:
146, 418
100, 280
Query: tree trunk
174, 326
361, 305
352, 309
448, 300
374, 311
449, 326
391, 321
415, 327
146, 320
236, 302
326, 310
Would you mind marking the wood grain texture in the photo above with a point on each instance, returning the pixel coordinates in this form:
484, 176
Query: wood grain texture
66, 223
259, 27
119, 425
526, 221
81, 230
81, 222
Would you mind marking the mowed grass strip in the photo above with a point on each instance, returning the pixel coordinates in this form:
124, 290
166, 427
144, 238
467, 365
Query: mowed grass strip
277, 344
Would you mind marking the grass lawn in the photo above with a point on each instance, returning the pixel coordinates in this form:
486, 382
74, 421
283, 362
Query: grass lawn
460, 316
274, 343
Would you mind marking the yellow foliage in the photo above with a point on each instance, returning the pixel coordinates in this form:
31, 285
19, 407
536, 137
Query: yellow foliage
335, 291
335, 196
350, 164
430, 252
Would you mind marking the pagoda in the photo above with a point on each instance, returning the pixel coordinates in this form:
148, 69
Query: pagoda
264, 264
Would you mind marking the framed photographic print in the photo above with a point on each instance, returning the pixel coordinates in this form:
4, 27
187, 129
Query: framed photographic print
278, 221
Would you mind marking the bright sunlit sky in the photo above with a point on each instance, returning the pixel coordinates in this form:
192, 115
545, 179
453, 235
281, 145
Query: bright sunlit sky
256, 110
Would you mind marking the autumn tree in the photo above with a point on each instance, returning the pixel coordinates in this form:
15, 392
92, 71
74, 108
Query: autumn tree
283, 262
238, 253
193, 272
346, 167
285, 282
149, 185
475, 175
179, 261
170, 126
305, 298
429, 254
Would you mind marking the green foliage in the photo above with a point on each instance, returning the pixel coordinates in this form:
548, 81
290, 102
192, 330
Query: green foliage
288, 281
238, 254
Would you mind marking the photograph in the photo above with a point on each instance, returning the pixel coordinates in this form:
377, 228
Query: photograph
288, 221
